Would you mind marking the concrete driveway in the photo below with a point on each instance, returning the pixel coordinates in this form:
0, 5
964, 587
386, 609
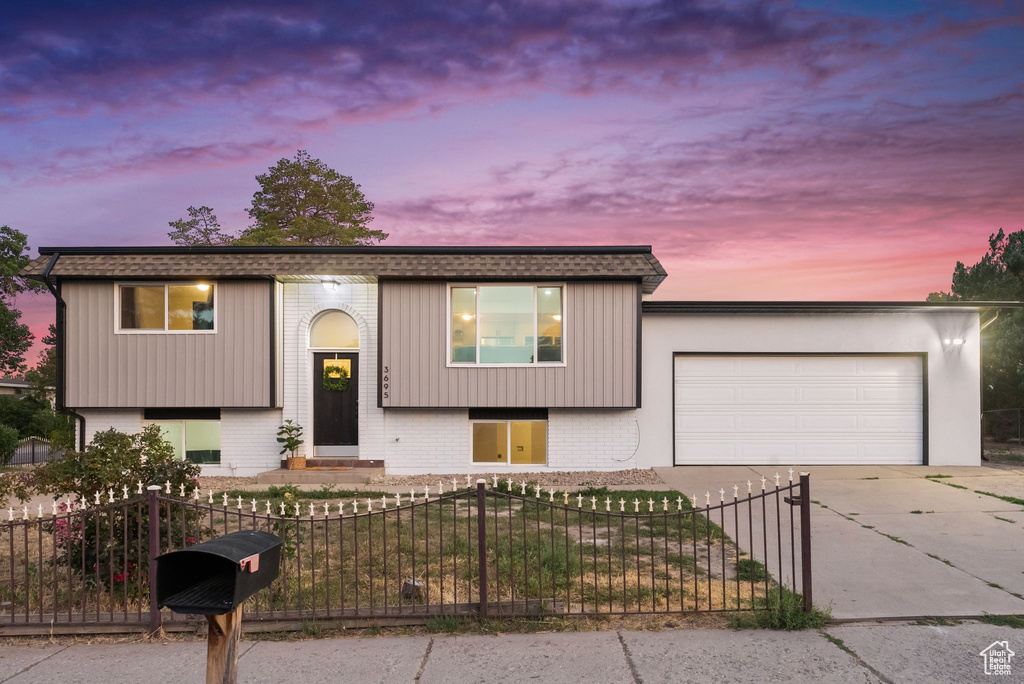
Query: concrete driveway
889, 541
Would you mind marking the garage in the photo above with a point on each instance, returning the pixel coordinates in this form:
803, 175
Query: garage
824, 409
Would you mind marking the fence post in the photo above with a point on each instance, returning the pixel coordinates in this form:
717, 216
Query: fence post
32, 441
154, 551
805, 539
481, 537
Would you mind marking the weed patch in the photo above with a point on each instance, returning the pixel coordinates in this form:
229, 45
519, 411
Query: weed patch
1012, 621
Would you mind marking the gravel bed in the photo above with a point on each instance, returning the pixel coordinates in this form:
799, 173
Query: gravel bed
223, 484
582, 478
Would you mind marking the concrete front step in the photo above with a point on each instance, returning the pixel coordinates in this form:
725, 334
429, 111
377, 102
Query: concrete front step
319, 476
343, 463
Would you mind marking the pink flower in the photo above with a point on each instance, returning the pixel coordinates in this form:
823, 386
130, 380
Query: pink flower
190, 540
119, 577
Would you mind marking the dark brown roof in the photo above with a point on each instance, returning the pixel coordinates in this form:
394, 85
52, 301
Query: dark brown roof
573, 263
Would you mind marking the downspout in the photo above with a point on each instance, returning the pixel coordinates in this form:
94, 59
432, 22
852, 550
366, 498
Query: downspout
60, 325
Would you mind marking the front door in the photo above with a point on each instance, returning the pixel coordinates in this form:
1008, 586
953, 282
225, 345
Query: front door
335, 410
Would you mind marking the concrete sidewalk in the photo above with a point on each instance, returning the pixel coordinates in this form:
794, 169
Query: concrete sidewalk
854, 653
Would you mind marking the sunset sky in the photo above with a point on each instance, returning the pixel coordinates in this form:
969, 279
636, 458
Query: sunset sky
784, 150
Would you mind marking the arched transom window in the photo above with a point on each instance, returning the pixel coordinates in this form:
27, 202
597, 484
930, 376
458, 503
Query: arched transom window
334, 330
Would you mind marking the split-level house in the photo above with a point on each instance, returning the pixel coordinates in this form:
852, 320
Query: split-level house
473, 359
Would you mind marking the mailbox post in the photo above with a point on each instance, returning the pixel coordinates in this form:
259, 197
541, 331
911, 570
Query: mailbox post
214, 579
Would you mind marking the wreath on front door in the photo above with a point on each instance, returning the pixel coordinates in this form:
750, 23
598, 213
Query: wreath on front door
335, 378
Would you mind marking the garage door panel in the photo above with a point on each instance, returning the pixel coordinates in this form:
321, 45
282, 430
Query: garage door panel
791, 409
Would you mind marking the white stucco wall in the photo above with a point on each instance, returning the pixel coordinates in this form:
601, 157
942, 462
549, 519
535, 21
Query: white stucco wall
953, 398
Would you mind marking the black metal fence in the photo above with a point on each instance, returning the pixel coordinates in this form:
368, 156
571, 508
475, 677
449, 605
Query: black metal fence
524, 551
34, 450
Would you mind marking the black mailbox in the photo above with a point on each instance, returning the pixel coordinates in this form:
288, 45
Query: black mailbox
215, 577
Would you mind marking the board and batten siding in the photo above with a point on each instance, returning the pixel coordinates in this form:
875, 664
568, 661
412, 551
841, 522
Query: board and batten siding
600, 348
228, 368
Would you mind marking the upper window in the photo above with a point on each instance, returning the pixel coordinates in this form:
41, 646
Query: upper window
186, 307
506, 324
334, 330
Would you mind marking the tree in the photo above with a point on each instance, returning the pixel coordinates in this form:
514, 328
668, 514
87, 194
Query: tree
201, 228
998, 276
15, 337
44, 376
304, 201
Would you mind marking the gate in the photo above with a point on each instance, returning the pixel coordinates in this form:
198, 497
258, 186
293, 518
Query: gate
504, 550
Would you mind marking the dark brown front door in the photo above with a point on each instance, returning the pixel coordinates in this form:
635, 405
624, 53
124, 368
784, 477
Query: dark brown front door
335, 413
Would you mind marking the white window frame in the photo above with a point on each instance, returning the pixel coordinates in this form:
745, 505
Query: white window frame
508, 442
157, 331
536, 364
184, 435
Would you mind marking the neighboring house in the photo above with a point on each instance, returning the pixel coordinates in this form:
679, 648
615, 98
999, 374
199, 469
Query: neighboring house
470, 359
15, 387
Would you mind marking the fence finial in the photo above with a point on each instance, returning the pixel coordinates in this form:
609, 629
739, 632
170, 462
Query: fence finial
776, 479
110, 496
468, 481
636, 505
369, 506
510, 483
607, 504
24, 512
341, 508
693, 500
181, 491
622, 505
298, 509
495, 478
124, 492
167, 486
650, 505
565, 498
312, 511
679, 503
790, 474
211, 497
579, 501
252, 505
54, 505
721, 494
40, 514
440, 487
749, 490
536, 490
327, 509
139, 491
593, 503
551, 495
10, 513
355, 506
426, 492
195, 494
412, 495
224, 499
282, 509
763, 481
97, 498
398, 500
239, 502
735, 491
268, 508
522, 489
664, 503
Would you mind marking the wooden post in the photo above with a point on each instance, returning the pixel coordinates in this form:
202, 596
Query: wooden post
154, 551
805, 539
481, 537
222, 647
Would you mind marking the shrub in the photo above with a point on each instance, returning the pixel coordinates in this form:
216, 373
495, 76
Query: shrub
8, 443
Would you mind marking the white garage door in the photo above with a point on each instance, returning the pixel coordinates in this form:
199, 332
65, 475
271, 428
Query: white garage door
806, 410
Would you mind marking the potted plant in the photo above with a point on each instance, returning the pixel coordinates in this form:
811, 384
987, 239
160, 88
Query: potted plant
289, 436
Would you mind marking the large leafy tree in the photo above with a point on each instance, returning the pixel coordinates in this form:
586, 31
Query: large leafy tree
304, 201
200, 228
15, 337
301, 201
998, 276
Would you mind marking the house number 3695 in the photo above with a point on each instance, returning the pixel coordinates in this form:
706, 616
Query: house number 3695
385, 381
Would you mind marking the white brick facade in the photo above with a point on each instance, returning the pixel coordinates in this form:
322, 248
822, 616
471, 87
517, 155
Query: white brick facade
248, 442
587, 439
301, 304
427, 441
122, 420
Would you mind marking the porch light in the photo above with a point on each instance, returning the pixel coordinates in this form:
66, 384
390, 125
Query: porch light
203, 287
330, 285
955, 341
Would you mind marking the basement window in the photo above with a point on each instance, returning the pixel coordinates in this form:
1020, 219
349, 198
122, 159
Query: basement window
194, 434
509, 439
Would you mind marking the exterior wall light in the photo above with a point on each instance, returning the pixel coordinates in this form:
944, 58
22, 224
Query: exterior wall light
203, 287
330, 285
955, 341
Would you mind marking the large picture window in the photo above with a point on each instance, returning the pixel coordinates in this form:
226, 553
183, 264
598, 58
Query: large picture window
185, 307
506, 324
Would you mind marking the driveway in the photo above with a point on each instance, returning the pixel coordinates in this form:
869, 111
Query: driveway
888, 541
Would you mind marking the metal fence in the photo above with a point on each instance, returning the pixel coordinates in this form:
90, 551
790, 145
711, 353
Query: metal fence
504, 550
34, 450
1003, 425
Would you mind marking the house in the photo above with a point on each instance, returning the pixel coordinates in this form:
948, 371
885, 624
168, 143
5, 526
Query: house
14, 387
470, 359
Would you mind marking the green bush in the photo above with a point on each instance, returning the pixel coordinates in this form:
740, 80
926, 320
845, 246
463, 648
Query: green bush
784, 610
8, 443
